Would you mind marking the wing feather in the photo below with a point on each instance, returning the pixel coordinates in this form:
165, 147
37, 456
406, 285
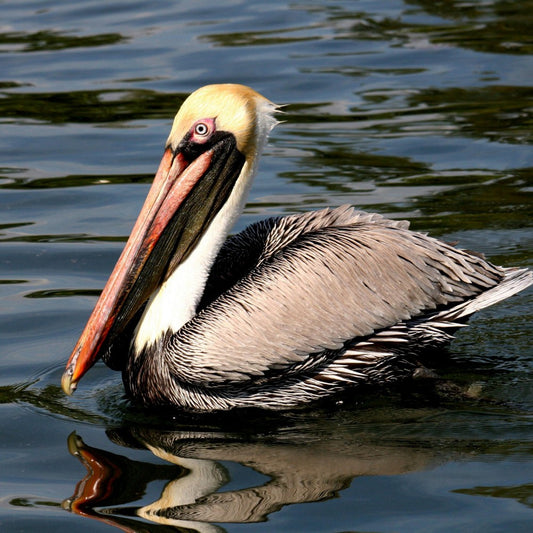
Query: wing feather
320, 280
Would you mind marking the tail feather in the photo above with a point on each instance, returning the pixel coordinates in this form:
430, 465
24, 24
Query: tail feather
378, 357
437, 330
514, 281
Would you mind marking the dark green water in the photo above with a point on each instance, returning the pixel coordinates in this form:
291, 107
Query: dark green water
418, 110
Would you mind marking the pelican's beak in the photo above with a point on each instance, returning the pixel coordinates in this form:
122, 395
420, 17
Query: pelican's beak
190, 187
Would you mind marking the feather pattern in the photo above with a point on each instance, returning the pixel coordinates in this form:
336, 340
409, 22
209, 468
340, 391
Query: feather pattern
365, 292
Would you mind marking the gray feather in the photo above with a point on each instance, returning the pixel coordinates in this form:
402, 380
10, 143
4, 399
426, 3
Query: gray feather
337, 275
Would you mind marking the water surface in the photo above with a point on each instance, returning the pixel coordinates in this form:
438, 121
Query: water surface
418, 110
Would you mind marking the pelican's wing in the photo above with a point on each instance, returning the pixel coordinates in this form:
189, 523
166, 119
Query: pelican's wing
322, 280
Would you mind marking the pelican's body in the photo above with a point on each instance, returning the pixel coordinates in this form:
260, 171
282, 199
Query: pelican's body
292, 309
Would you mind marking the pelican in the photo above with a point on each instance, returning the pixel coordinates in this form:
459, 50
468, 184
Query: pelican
292, 309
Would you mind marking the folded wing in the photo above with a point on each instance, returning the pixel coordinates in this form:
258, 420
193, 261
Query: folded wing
305, 284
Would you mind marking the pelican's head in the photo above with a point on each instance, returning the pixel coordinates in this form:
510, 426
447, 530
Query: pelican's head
208, 162
234, 109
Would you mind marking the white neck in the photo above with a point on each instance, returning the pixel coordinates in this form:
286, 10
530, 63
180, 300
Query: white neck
175, 302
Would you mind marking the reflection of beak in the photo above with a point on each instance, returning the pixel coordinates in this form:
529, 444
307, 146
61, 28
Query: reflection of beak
97, 485
184, 198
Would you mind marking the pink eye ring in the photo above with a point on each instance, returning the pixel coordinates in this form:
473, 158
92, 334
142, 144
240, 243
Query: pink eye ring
203, 129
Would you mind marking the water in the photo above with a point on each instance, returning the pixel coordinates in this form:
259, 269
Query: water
419, 110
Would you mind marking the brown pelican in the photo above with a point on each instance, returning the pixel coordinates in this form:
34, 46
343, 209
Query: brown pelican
292, 309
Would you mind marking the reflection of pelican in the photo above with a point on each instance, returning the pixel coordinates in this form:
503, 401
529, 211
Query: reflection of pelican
194, 495
290, 310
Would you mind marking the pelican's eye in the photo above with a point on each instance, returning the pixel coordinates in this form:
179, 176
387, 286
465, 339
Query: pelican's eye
202, 130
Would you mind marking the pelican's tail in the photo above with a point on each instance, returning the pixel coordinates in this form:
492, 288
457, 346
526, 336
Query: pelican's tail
435, 331
514, 281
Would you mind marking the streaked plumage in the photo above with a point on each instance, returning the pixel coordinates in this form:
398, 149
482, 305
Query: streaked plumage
292, 309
